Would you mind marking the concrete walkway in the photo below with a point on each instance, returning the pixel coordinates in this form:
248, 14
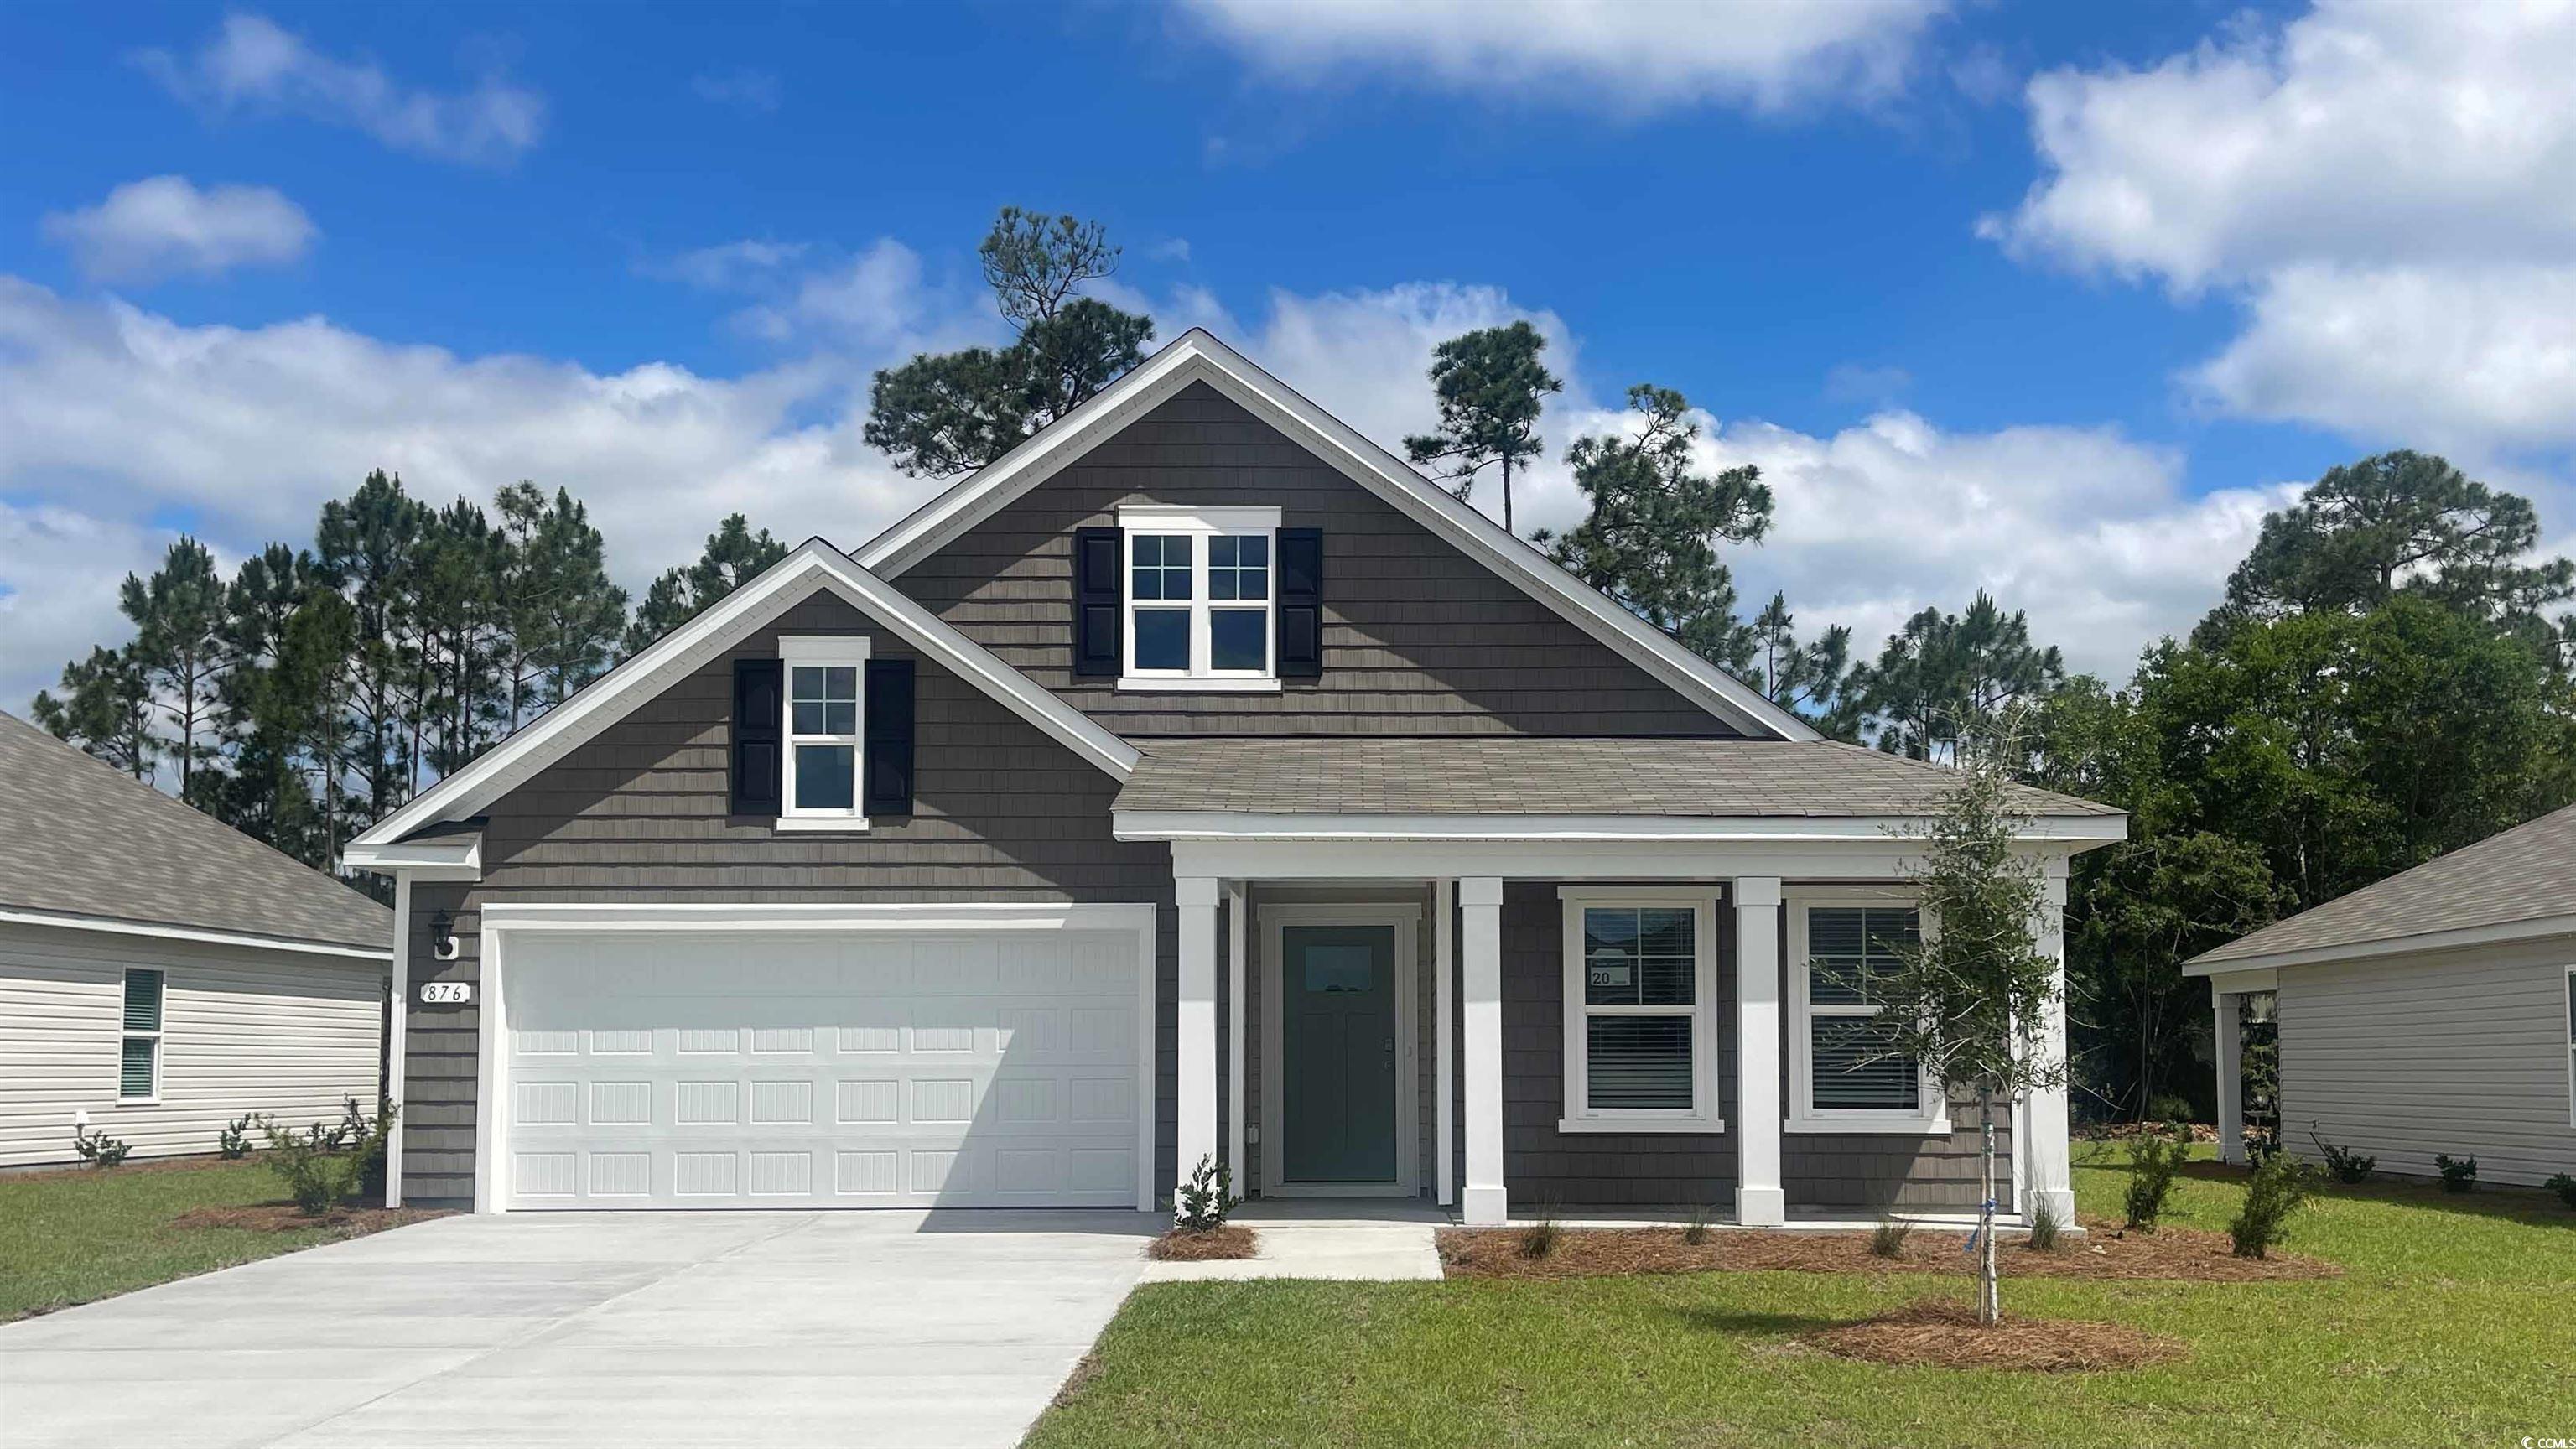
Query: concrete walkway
1389, 1242
695, 1329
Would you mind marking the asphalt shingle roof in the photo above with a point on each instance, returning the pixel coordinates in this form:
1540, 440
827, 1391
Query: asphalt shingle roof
79, 837
1546, 775
2527, 873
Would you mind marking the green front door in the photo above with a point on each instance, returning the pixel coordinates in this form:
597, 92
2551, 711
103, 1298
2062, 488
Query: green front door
1337, 1053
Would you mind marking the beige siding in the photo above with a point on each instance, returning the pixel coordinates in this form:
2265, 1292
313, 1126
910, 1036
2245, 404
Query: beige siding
2464, 1052
243, 1030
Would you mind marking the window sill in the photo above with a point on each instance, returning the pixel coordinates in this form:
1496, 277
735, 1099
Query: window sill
1187, 684
1885, 1124
824, 824
138, 1101
1667, 1125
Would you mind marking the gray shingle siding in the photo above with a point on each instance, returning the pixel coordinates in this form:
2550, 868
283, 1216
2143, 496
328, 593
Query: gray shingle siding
1418, 637
638, 814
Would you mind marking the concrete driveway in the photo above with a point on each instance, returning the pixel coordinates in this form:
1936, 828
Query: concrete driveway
782, 1330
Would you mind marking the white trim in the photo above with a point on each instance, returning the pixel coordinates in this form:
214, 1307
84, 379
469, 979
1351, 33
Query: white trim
181, 933
459, 858
1196, 684
1892, 861
1237, 903
2496, 934
1197, 518
813, 565
502, 919
1298, 825
2569, 1016
823, 651
1197, 356
1761, 1199
1484, 1199
398, 1036
1194, 1080
1702, 1116
1444, 1015
1405, 918
1932, 1119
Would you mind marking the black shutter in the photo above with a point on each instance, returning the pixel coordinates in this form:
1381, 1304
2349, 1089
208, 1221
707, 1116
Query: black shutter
1099, 595
888, 737
1300, 645
758, 725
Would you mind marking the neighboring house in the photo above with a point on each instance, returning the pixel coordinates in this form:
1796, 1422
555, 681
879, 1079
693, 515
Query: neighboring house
2432, 1012
163, 973
1198, 781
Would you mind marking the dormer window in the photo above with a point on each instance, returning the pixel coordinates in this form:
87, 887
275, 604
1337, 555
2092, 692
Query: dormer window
1201, 592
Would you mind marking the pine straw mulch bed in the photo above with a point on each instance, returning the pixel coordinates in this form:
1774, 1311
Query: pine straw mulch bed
281, 1217
1179, 1246
1947, 1335
2106, 1252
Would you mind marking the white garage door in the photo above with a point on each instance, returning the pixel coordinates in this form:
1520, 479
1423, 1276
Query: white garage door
857, 1068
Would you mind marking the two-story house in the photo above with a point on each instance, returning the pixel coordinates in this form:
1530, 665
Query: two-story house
1198, 781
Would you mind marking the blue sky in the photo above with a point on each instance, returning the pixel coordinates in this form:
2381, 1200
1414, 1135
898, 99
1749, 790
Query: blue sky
2083, 286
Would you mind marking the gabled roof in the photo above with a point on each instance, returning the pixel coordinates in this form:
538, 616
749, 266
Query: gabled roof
2514, 885
814, 565
83, 841
1521, 775
1195, 357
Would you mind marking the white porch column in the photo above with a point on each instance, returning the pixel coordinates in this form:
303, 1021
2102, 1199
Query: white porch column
1237, 905
398, 1038
1483, 1202
1444, 1029
2047, 1177
2231, 1073
1760, 1200
1194, 1054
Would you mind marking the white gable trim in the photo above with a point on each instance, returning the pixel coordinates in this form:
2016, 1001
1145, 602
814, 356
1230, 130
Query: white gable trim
2499, 933
814, 565
1198, 357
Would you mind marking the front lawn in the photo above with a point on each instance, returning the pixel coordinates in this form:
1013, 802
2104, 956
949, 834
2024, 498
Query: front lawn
2451, 1325
70, 1237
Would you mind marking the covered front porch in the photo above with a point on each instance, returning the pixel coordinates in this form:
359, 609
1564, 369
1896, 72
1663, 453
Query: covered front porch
1604, 1014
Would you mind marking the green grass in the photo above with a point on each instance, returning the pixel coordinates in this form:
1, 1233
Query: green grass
2451, 1325
72, 1237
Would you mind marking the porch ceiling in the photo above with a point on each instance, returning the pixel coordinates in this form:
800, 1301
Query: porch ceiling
1548, 775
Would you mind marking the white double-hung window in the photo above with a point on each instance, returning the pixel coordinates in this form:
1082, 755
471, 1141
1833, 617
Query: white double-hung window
1841, 1076
1201, 588
1640, 1036
819, 767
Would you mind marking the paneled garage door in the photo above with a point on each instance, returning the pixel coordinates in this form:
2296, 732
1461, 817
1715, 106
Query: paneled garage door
858, 1068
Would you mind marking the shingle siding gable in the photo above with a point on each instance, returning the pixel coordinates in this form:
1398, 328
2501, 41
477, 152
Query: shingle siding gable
1419, 639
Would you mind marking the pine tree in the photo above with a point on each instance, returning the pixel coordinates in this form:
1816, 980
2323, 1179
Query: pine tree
733, 556
1941, 688
565, 617
1818, 679
179, 618
106, 708
366, 545
1489, 384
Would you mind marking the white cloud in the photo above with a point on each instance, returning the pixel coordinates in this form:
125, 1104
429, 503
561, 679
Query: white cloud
164, 225
253, 64
2389, 185
1624, 56
112, 417
731, 266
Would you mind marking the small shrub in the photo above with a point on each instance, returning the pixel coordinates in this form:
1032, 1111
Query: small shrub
2564, 1184
2047, 1229
1887, 1240
2154, 1158
2277, 1189
326, 1167
2167, 1107
1695, 1230
234, 1141
1204, 1201
1541, 1237
2262, 1142
97, 1148
2346, 1164
2459, 1174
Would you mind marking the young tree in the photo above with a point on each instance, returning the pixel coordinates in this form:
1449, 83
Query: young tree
1651, 538
1972, 998
1818, 679
1489, 384
564, 616
179, 617
950, 413
733, 555
1943, 685
106, 709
